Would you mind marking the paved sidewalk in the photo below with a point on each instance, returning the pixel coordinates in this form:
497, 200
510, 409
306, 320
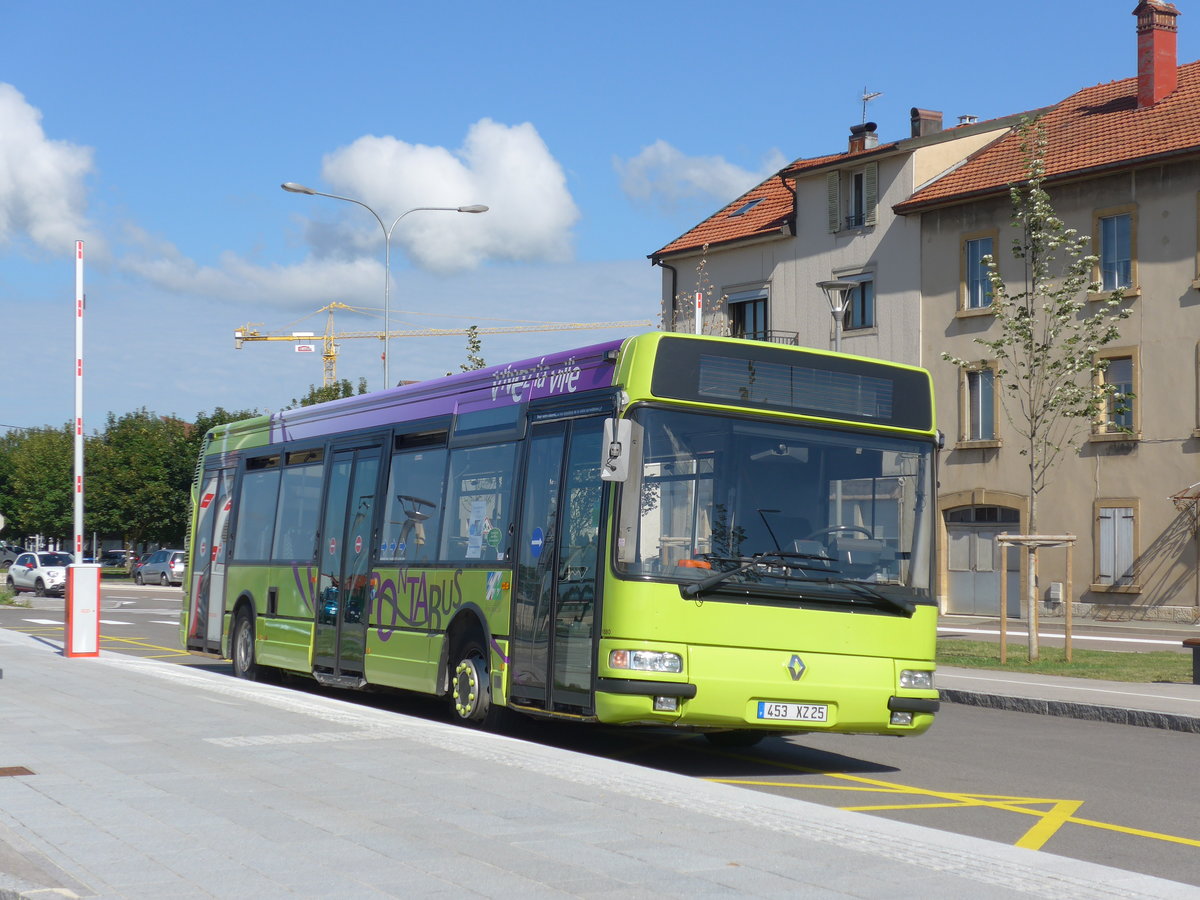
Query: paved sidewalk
151, 780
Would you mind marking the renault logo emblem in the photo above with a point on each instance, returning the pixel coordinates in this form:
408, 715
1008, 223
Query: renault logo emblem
795, 666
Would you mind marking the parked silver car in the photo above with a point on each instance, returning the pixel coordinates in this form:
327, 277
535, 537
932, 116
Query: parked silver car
162, 566
42, 573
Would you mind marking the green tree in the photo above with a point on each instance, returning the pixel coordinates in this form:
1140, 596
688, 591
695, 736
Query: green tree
140, 478
335, 391
1045, 351
475, 358
38, 473
1046, 342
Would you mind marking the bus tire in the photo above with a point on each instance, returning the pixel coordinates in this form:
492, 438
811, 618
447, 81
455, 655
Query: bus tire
471, 687
241, 648
734, 740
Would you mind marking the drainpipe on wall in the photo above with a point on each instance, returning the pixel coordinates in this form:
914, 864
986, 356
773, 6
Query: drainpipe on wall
669, 326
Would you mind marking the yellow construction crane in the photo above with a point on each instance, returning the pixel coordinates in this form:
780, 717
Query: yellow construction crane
330, 337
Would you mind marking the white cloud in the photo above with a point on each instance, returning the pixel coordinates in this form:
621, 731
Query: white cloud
42, 191
310, 283
507, 168
663, 177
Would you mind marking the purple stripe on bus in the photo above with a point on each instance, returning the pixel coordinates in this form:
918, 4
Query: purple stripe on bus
555, 374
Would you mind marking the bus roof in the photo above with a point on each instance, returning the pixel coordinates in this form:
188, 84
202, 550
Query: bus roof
554, 374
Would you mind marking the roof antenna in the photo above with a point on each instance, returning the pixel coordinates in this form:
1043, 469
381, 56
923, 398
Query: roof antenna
867, 97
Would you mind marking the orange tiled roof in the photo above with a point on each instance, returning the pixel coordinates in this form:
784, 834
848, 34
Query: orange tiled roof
768, 216
1094, 129
776, 209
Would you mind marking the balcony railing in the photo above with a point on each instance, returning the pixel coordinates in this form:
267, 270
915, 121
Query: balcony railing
771, 337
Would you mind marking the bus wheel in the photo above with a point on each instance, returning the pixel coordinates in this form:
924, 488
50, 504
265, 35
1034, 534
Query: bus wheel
242, 648
471, 687
732, 740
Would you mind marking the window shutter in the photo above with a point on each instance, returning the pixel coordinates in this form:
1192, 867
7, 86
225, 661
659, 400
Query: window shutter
833, 189
1123, 569
870, 192
1107, 548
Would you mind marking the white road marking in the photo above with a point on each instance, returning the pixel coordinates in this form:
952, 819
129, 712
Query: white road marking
1018, 631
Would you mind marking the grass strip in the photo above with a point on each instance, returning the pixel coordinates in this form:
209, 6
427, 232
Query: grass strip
1106, 665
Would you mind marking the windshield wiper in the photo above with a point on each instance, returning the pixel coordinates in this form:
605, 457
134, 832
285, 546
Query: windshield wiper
901, 603
747, 563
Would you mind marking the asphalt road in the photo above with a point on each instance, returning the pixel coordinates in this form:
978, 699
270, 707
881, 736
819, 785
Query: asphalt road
1113, 794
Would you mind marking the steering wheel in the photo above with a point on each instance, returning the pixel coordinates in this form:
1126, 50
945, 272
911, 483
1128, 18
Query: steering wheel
415, 502
836, 529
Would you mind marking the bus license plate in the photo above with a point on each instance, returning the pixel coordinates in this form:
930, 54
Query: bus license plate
793, 712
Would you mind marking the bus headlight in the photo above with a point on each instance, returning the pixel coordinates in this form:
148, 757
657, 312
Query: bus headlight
645, 661
916, 679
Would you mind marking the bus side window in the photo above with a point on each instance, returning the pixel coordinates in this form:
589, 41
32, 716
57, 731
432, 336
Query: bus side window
413, 516
256, 515
299, 513
479, 503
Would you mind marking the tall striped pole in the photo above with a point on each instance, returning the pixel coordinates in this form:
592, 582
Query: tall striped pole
79, 304
83, 580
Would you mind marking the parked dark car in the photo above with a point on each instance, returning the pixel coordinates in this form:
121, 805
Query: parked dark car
116, 558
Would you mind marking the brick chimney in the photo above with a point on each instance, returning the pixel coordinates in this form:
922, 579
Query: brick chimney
925, 121
1156, 32
863, 137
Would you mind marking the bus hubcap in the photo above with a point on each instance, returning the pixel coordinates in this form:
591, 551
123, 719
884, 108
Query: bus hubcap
467, 688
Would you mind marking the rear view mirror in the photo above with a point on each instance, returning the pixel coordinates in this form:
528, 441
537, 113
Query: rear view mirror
622, 444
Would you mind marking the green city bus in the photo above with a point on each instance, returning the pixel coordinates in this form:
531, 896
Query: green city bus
671, 530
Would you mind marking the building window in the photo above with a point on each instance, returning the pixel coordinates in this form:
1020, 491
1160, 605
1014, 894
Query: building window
980, 394
853, 197
976, 280
1119, 416
748, 315
860, 304
1120, 404
1116, 248
1116, 543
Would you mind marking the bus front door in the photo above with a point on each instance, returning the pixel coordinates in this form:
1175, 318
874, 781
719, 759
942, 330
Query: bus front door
343, 589
555, 599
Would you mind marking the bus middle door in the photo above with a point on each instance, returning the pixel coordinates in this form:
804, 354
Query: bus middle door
340, 638
554, 614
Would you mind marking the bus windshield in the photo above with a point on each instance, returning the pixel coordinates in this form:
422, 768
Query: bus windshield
773, 509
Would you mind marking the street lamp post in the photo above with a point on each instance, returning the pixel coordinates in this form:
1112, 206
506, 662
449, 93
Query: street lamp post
838, 294
387, 253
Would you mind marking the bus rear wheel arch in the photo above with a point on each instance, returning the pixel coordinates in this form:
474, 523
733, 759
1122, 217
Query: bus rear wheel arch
241, 646
469, 677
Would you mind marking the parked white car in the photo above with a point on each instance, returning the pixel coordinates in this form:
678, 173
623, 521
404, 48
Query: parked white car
43, 573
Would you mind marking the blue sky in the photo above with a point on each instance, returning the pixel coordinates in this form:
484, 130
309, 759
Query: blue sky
159, 134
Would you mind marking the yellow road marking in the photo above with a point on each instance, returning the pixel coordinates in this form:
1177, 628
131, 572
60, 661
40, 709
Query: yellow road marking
139, 643
1049, 823
1060, 812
